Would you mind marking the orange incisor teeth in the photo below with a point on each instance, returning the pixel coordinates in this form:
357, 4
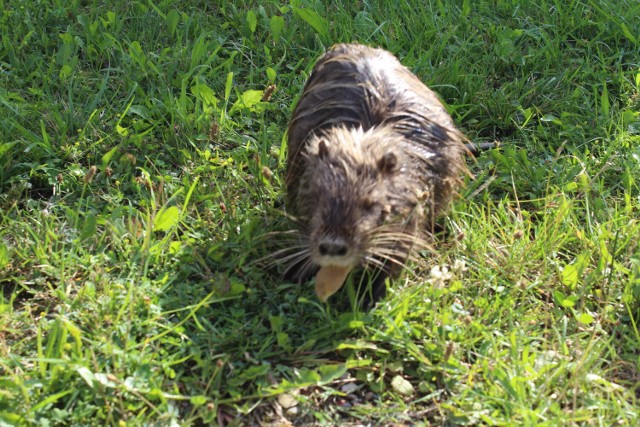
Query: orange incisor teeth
329, 279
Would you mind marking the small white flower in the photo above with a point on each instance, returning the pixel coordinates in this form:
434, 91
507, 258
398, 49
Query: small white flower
459, 266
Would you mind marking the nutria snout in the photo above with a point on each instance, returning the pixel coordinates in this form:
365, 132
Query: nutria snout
373, 159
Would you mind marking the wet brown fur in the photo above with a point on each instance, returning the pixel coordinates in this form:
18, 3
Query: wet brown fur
373, 159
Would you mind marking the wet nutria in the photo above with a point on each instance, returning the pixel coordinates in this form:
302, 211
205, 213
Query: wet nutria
373, 159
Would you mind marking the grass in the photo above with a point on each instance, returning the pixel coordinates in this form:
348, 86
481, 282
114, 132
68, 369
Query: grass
141, 167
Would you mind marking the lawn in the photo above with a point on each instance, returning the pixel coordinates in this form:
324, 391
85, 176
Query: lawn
142, 154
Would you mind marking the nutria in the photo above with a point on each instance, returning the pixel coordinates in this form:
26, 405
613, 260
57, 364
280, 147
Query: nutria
373, 159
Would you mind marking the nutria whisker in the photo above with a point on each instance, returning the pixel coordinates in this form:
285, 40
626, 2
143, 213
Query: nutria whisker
385, 264
291, 254
289, 242
399, 254
301, 271
401, 238
404, 239
286, 256
394, 255
373, 260
381, 259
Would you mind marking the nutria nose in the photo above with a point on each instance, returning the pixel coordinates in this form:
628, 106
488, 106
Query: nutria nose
333, 248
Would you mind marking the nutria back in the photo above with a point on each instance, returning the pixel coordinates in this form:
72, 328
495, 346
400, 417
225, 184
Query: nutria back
373, 159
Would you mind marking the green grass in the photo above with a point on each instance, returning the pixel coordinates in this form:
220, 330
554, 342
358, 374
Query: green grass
141, 170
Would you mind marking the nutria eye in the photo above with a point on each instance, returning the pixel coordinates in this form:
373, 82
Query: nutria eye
368, 204
323, 151
387, 163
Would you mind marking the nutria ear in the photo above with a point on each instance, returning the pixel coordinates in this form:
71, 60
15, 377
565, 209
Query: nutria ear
387, 163
323, 150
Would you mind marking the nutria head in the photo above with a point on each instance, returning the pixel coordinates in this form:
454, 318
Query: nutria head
357, 200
